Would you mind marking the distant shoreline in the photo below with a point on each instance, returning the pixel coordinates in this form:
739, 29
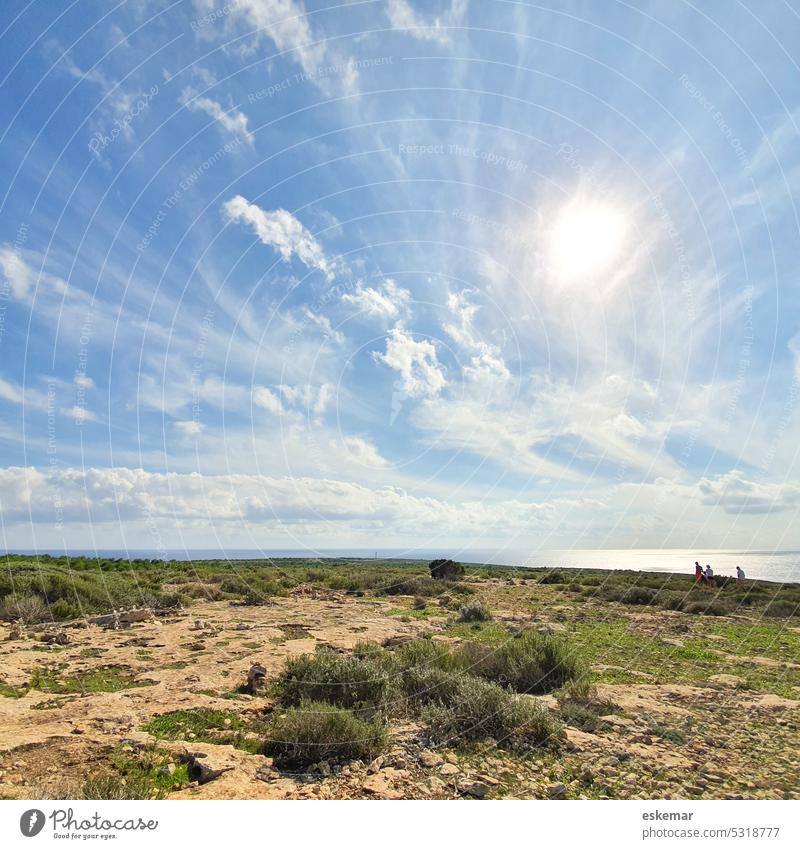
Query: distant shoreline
682, 562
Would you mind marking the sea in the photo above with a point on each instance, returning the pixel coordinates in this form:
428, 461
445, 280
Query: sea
778, 566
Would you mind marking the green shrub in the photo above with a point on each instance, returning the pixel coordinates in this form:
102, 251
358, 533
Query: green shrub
29, 609
631, 595
528, 663
709, 608
482, 709
423, 654
315, 731
474, 611
338, 679
62, 610
579, 716
781, 609
419, 603
554, 577
446, 570
418, 586
424, 685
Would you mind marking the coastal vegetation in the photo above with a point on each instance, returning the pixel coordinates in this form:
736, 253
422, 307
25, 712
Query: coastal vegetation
361, 678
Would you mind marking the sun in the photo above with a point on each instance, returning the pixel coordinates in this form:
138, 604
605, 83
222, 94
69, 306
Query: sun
586, 237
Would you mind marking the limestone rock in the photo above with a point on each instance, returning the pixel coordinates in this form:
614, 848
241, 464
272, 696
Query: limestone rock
476, 789
430, 759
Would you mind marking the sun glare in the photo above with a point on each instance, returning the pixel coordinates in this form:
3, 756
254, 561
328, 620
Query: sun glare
586, 238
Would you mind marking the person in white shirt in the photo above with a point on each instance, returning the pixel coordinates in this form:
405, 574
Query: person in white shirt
739, 574
709, 574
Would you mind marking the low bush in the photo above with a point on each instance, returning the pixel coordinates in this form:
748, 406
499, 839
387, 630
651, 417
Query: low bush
424, 685
63, 610
631, 595
554, 577
28, 609
315, 731
482, 709
426, 654
528, 663
474, 611
446, 570
579, 716
327, 676
422, 586
581, 706
781, 609
709, 608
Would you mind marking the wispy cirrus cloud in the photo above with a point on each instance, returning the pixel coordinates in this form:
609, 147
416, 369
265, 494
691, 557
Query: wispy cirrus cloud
281, 231
231, 120
421, 25
384, 301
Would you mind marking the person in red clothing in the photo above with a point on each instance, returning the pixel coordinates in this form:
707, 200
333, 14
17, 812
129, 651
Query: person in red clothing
698, 573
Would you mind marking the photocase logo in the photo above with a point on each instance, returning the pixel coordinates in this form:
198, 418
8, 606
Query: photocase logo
31, 822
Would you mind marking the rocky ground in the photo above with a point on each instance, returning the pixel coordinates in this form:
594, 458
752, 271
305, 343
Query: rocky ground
702, 707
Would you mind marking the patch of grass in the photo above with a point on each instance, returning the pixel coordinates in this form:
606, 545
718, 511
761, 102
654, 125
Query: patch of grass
643, 658
413, 613
10, 692
205, 725
106, 680
141, 775
91, 652
580, 705
665, 732
53, 704
315, 731
176, 724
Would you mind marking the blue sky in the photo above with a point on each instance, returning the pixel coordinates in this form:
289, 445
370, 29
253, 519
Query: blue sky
399, 273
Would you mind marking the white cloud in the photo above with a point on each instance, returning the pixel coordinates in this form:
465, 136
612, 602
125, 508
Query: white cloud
232, 120
22, 279
189, 428
10, 392
324, 324
388, 300
364, 452
16, 271
486, 365
308, 398
415, 361
735, 494
403, 16
80, 414
111, 496
286, 24
268, 400
280, 230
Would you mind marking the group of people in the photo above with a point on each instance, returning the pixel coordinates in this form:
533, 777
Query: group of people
706, 576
